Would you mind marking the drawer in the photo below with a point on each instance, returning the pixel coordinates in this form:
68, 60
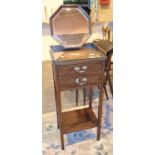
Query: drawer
83, 68
68, 82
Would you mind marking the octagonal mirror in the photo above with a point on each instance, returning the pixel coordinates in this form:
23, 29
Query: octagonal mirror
70, 26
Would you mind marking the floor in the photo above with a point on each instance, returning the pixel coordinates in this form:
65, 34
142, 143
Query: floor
78, 143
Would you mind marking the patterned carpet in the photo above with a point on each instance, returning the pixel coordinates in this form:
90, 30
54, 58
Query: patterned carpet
82, 142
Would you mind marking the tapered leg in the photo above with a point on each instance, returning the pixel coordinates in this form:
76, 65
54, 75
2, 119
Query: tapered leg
110, 84
100, 111
105, 89
55, 96
56, 105
58, 94
108, 74
77, 97
90, 96
84, 96
62, 140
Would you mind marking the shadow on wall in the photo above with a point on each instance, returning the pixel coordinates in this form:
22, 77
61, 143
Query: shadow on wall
45, 29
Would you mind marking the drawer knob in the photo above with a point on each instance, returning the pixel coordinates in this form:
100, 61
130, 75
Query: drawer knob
81, 81
80, 70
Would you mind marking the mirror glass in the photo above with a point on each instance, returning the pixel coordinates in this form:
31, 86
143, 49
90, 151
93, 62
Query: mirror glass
70, 26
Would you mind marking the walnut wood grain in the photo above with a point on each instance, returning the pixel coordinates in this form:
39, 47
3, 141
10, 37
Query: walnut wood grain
92, 67
80, 120
68, 82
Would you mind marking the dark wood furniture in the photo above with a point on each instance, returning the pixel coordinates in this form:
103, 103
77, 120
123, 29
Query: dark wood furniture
105, 47
77, 69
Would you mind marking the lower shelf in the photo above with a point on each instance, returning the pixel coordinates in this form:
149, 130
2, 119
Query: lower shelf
78, 120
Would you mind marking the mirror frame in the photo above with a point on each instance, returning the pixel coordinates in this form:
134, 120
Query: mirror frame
86, 36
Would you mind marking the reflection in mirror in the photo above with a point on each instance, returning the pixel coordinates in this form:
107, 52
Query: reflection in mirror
70, 21
70, 26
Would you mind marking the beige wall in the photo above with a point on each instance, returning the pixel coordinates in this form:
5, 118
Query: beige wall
51, 6
105, 13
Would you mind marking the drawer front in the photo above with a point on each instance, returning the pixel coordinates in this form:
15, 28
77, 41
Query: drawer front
83, 68
68, 82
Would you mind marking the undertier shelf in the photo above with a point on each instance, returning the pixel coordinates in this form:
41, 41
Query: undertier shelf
80, 119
